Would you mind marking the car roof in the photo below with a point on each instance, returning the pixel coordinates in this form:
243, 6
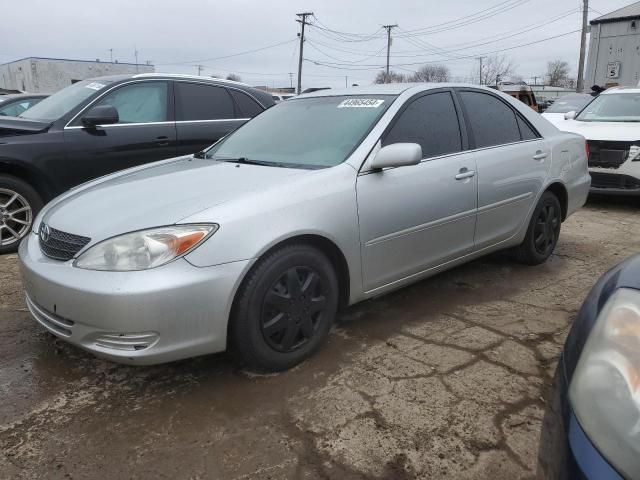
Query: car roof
262, 96
387, 89
166, 76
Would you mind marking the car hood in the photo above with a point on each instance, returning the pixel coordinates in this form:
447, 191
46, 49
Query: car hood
615, 131
158, 195
21, 126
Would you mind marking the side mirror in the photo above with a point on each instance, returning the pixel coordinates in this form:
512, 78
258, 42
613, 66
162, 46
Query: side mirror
570, 115
397, 155
100, 115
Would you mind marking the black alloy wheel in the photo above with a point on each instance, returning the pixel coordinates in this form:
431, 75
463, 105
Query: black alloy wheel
546, 230
284, 308
293, 309
543, 231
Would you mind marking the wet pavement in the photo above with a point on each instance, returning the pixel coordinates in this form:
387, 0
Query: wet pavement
448, 378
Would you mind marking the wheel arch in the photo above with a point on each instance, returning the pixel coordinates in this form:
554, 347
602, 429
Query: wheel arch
560, 191
322, 243
30, 176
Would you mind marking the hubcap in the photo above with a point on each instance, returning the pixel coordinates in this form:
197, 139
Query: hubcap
293, 309
15, 217
545, 232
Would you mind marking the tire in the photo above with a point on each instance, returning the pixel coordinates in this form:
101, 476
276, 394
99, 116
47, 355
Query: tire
543, 231
19, 204
284, 308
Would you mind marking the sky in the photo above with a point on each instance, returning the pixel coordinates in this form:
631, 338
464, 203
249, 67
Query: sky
345, 43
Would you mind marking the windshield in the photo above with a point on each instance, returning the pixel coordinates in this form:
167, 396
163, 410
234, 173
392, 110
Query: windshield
615, 107
63, 101
306, 133
570, 103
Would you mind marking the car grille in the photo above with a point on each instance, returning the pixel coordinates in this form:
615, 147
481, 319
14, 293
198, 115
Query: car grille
60, 245
608, 154
614, 181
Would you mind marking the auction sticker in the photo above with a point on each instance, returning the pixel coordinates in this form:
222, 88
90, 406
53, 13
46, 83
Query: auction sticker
361, 103
95, 86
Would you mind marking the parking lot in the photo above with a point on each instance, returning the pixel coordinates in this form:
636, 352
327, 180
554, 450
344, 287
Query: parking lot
449, 378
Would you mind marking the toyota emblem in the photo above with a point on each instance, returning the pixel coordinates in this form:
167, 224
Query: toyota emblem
44, 232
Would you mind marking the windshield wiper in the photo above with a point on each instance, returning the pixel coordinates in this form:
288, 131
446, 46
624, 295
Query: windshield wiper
246, 161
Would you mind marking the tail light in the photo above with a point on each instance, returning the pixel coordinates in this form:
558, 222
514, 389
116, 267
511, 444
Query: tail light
586, 148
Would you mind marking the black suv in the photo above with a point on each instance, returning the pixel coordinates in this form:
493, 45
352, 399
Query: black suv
98, 126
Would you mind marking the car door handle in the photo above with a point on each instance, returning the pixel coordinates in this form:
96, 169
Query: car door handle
465, 173
540, 155
162, 141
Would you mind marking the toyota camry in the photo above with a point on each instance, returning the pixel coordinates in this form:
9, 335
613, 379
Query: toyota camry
321, 202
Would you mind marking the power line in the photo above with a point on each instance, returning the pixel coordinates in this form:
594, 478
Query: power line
475, 55
247, 52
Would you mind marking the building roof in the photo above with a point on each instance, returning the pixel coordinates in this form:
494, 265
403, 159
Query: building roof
75, 60
629, 12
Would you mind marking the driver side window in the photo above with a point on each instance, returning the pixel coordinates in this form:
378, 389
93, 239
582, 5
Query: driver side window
430, 121
144, 102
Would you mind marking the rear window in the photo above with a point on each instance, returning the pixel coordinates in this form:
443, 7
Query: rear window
197, 101
492, 121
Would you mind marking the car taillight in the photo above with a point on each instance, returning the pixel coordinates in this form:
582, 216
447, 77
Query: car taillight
586, 148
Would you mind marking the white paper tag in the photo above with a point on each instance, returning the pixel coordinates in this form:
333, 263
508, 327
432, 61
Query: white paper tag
95, 86
361, 103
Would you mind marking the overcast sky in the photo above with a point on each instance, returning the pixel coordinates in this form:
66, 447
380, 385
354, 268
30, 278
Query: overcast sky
178, 35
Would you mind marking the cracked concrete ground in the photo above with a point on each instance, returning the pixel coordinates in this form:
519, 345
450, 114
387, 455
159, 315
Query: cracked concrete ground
444, 379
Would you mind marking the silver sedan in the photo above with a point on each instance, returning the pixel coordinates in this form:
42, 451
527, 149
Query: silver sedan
318, 203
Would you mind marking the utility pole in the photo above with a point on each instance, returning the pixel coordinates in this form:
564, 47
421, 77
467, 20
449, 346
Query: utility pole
535, 79
346, 79
291, 79
111, 55
480, 77
583, 46
388, 28
135, 52
199, 69
303, 21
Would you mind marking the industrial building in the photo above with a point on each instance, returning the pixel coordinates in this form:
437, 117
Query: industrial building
614, 48
48, 75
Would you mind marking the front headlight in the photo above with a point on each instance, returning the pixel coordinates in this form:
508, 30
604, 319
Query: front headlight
605, 389
144, 249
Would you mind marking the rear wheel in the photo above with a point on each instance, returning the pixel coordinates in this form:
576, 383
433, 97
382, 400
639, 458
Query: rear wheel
543, 232
285, 308
19, 204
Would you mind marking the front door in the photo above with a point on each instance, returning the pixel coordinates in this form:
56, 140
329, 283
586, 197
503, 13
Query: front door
512, 161
417, 217
145, 133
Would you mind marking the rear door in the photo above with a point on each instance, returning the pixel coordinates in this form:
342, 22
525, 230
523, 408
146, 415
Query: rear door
145, 133
512, 162
204, 114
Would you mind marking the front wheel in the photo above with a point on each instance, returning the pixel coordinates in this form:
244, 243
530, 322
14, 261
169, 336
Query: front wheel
543, 232
19, 203
284, 309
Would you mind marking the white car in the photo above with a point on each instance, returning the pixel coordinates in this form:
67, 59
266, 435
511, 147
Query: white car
611, 125
573, 102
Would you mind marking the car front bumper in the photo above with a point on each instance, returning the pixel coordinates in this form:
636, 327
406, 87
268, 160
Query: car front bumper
153, 316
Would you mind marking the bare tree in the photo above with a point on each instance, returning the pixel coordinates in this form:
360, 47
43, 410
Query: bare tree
497, 68
431, 73
235, 77
558, 73
393, 77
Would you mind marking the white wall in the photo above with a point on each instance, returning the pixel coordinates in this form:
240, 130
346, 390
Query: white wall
39, 75
614, 42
